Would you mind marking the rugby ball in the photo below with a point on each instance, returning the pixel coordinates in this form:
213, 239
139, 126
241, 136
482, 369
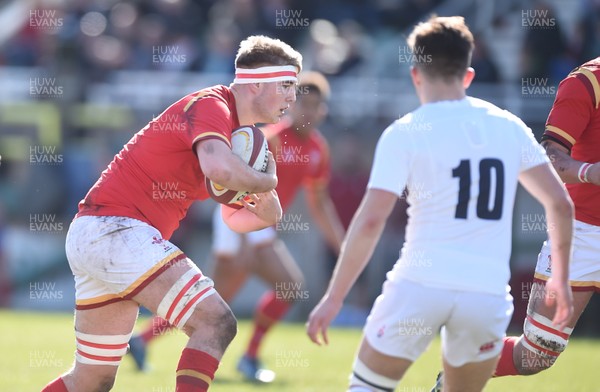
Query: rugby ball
249, 143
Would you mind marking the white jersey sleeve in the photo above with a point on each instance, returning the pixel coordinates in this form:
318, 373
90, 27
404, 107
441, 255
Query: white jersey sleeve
532, 153
390, 165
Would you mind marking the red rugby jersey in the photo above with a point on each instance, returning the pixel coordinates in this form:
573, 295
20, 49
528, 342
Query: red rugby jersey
156, 176
574, 122
301, 161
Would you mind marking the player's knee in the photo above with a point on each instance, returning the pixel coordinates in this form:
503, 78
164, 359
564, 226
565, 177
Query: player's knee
91, 382
364, 379
542, 344
227, 328
105, 383
218, 322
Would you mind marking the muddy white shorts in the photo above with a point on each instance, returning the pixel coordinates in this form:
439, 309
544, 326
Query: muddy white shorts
584, 270
114, 258
228, 242
407, 315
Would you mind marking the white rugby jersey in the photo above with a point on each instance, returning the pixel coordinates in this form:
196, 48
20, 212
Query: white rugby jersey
460, 162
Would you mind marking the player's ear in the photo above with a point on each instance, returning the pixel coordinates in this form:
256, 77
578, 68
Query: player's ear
323, 109
415, 76
468, 78
255, 87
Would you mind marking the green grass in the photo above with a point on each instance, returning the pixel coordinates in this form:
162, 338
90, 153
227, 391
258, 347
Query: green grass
37, 347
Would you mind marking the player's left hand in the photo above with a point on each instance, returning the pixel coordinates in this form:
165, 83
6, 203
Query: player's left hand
320, 319
265, 206
559, 294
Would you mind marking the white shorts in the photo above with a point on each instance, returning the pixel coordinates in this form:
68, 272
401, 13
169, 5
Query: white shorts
407, 315
584, 270
228, 242
113, 258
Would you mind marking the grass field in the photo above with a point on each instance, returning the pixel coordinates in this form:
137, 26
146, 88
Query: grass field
37, 347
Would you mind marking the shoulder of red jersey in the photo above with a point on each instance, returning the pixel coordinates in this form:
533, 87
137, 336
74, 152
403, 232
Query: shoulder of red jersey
577, 98
219, 92
589, 76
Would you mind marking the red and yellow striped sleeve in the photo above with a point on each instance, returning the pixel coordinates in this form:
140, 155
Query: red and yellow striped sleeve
577, 98
209, 116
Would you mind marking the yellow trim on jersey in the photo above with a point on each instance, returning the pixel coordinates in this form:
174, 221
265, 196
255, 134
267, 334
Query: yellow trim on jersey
594, 81
96, 300
193, 100
219, 135
149, 273
562, 133
573, 283
194, 373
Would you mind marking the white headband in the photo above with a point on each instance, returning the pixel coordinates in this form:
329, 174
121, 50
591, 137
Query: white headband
277, 73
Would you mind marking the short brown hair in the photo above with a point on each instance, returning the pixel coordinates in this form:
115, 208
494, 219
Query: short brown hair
314, 82
442, 46
260, 51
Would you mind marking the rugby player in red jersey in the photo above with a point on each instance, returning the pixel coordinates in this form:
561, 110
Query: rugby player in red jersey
118, 244
572, 141
302, 157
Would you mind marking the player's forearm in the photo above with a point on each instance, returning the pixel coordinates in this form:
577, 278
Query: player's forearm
567, 167
235, 174
223, 167
357, 248
243, 221
560, 231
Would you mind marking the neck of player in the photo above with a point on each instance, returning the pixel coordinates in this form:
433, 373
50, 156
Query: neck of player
437, 90
243, 106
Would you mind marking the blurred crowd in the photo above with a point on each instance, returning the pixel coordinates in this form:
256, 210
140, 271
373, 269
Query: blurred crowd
92, 37
84, 41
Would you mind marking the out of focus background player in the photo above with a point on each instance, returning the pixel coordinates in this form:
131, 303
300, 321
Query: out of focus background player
453, 269
572, 141
302, 157
78, 76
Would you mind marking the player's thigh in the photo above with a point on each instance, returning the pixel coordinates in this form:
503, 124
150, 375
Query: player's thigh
584, 272
382, 364
405, 318
228, 274
178, 291
537, 303
474, 331
275, 265
470, 377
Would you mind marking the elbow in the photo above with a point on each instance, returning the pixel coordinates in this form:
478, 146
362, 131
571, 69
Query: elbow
564, 206
218, 174
371, 225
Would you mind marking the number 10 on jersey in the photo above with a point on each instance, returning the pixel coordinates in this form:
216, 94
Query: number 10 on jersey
484, 209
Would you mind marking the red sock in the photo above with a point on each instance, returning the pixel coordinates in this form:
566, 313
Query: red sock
158, 326
195, 371
57, 385
269, 311
506, 364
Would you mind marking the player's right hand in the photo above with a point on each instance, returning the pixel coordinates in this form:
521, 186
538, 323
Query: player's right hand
320, 319
559, 294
